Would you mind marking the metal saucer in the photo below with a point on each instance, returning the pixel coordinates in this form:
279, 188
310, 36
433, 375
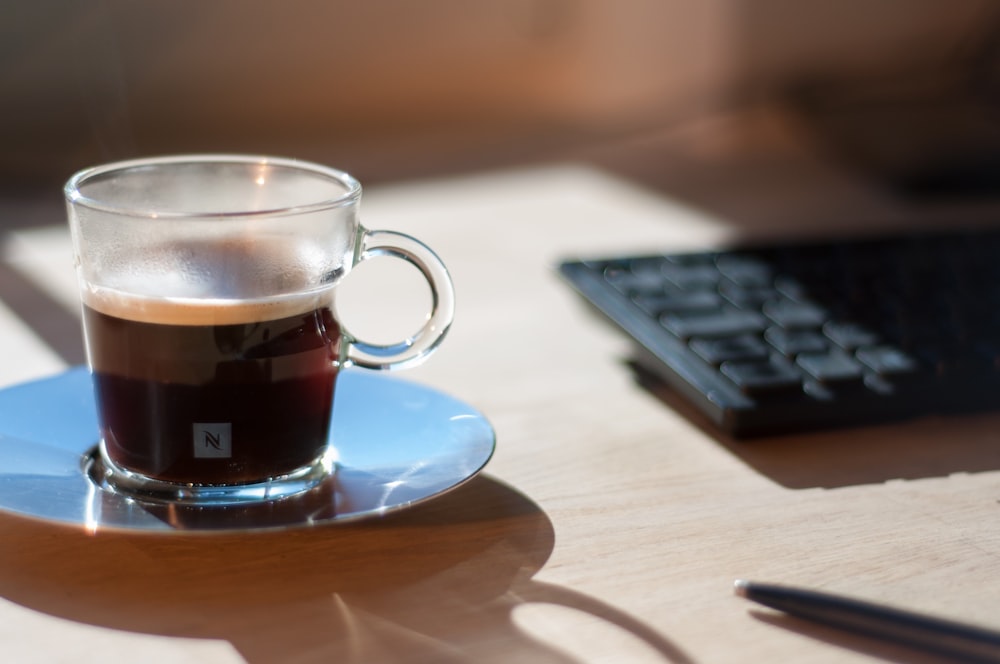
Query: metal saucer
397, 444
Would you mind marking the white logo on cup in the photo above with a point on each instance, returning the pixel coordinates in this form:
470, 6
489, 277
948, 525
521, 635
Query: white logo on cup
213, 440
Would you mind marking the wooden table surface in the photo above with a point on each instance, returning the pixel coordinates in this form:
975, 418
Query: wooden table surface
608, 527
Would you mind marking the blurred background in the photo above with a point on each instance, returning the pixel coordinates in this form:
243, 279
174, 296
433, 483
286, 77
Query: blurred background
680, 95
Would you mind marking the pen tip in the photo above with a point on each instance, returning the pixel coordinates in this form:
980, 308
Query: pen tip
740, 587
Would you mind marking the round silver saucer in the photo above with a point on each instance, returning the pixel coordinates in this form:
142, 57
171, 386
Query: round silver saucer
397, 443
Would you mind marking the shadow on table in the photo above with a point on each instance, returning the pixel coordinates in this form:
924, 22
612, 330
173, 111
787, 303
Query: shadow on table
925, 447
438, 583
55, 325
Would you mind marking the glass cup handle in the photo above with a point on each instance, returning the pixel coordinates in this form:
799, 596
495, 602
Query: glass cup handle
415, 349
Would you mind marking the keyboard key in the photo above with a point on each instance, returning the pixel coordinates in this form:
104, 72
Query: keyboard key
833, 369
793, 342
763, 377
631, 283
692, 277
728, 349
791, 287
888, 362
747, 297
792, 314
849, 335
745, 271
721, 323
657, 304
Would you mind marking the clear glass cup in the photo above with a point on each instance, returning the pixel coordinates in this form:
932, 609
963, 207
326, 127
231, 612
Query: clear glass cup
208, 285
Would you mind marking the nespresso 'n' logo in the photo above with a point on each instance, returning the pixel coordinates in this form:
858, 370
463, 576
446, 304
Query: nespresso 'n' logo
212, 440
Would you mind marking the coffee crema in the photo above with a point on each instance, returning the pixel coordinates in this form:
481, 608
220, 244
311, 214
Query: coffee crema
213, 391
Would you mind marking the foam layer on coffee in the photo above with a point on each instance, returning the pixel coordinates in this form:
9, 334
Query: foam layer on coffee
225, 281
184, 311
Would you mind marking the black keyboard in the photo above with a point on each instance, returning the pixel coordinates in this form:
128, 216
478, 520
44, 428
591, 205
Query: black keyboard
801, 337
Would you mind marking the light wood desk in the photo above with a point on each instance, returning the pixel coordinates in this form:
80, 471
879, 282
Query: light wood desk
608, 527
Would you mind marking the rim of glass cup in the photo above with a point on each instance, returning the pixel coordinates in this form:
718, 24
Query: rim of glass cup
74, 195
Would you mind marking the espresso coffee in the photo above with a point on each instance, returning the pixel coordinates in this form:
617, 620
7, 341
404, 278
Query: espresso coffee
212, 392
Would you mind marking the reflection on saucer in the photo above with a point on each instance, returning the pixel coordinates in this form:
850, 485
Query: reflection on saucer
398, 444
